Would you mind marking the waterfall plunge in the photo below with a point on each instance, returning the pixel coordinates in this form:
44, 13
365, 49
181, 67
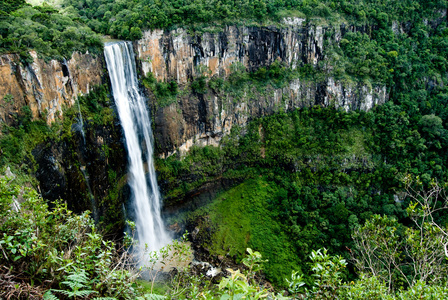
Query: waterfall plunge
136, 125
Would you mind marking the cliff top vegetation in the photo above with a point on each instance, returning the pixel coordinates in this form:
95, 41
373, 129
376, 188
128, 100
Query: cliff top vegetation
56, 33
51, 33
126, 19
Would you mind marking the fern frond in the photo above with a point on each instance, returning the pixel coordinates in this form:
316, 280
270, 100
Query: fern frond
84, 293
80, 277
67, 293
77, 282
73, 285
49, 296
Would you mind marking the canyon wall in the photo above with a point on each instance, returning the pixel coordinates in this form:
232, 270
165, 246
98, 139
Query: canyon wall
45, 86
196, 118
176, 54
85, 166
203, 118
182, 56
89, 172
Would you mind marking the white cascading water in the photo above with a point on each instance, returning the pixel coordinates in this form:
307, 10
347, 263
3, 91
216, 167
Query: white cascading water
134, 118
81, 123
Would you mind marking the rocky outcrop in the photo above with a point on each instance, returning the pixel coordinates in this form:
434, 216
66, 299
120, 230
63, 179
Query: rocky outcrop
177, 54
202, 119
45, 86
86, 165
88, 172
181, 55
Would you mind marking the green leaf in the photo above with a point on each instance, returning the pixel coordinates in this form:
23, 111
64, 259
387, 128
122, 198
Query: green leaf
224, 297
84, 293
49, 296
224, 282
239, 296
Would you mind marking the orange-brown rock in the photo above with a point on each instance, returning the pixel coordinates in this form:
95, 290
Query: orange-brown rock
45, 86
202, 119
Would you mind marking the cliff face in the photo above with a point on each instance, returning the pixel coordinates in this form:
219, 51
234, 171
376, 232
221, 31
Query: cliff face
45, 86
176, 54
182, 56
85, 165
78, 169
203, 119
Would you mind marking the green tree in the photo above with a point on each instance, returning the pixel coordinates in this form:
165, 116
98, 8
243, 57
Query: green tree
11, 5
396, 254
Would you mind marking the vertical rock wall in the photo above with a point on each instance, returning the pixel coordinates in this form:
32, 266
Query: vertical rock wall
45, 86
175, 55
86, 170
202, 119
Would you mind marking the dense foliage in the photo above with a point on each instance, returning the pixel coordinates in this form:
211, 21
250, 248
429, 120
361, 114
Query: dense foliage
45, 30
126, 19
50, 247
55, 254
327, 174
8, 6
310, 178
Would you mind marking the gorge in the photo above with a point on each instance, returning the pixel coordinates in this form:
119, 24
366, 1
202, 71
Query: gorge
302, 126
189, 117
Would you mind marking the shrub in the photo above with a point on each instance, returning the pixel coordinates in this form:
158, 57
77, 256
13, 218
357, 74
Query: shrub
48, 246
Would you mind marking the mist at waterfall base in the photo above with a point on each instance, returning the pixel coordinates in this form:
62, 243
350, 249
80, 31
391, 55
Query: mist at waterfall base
134, 118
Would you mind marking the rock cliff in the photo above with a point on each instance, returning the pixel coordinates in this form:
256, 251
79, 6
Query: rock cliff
86, 164
193, 118
45, 86
79, 169
202, 119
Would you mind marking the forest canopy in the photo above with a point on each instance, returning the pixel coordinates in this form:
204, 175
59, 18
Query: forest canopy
56, 33
126, 19
332, 172
43, 29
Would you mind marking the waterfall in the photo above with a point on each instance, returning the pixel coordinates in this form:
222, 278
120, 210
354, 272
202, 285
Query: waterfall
89, 190
134, 118
81, 121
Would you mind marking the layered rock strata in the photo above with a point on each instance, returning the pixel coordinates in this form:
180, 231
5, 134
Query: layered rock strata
45, 86
202, 119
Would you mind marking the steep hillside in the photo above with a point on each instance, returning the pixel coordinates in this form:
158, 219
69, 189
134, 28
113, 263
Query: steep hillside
279, 125
235, 74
